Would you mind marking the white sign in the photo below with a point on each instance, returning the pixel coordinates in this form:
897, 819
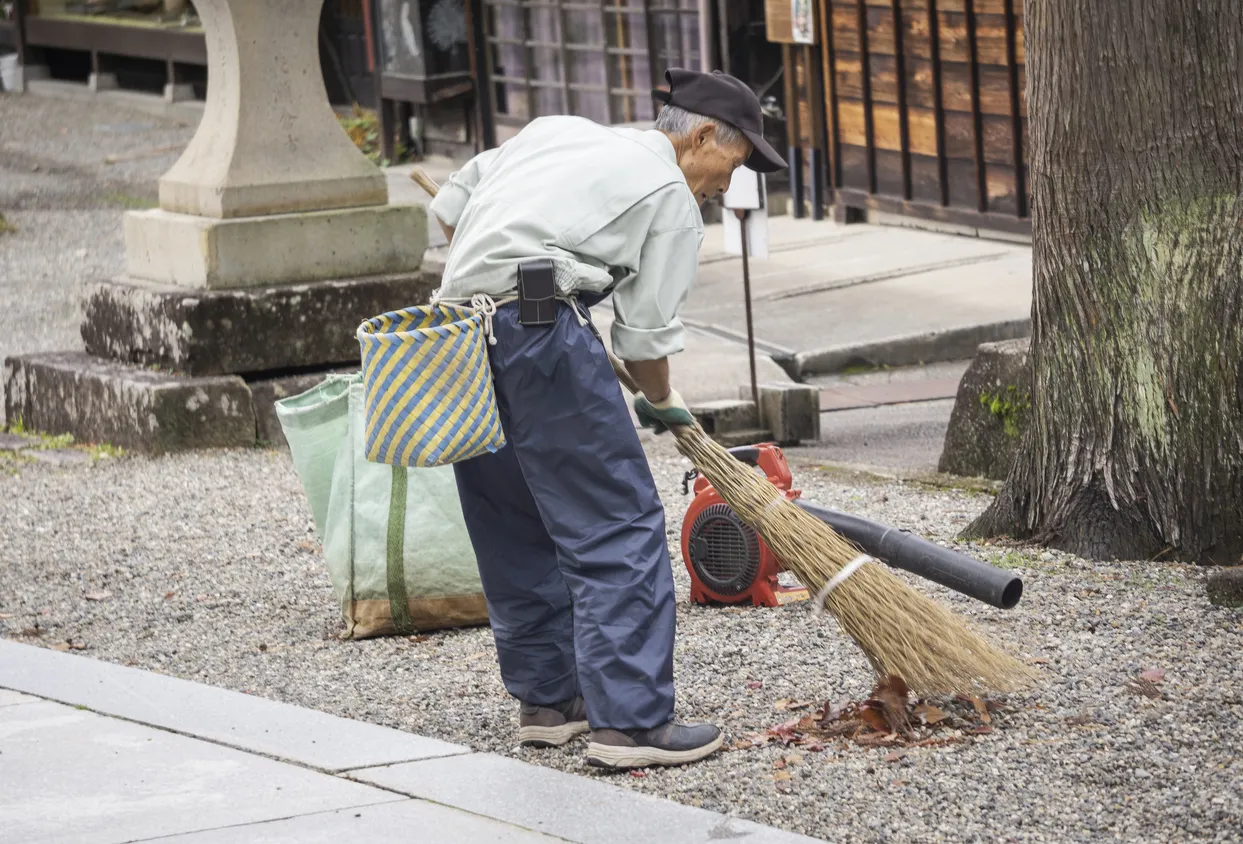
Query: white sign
746, 190
751, 195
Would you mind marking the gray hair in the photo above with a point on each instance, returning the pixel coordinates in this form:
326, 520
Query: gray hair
678, 122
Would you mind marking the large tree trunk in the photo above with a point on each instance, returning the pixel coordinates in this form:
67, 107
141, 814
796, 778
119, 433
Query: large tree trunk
1135, 444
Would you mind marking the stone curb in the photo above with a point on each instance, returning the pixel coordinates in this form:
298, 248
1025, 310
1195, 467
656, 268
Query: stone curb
914, 349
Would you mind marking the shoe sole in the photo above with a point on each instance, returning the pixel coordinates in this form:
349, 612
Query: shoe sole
551, 736
611, 756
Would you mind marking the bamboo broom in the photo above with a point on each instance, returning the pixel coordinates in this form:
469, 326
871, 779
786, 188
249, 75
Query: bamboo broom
899, 630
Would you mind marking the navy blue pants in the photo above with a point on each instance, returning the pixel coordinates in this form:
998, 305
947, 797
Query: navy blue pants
569, 531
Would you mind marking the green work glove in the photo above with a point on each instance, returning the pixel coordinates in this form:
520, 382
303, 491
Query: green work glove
661, 416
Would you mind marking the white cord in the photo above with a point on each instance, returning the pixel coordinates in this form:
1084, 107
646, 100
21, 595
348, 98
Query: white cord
484, 304
838, 579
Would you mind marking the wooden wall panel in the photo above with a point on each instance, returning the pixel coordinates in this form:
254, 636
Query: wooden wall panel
926, 98
855, 168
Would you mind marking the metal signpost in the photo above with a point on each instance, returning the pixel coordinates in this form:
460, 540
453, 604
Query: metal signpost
746, 234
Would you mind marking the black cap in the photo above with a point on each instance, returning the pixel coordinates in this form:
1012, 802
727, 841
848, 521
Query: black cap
725, 98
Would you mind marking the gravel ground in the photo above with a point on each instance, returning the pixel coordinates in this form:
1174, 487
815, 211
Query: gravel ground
213, 575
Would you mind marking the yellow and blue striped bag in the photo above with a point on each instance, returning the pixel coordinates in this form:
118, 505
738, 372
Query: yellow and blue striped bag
429, 398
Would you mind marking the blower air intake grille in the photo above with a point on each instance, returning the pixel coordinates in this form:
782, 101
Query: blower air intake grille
724, 551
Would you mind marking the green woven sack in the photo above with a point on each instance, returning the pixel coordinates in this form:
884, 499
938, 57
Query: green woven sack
396, 546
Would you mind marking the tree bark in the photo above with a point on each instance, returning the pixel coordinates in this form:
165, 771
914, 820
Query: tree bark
1135, 444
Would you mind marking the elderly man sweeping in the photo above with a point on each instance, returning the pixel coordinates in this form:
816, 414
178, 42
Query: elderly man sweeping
565, 520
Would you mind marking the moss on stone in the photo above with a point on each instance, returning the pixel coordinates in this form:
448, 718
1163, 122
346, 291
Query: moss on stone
1008, 406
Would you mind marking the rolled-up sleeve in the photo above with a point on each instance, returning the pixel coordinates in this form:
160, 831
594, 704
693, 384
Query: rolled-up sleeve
647, 303
451, 200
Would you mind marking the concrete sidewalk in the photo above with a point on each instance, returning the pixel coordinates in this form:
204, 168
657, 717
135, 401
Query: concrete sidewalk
96, 753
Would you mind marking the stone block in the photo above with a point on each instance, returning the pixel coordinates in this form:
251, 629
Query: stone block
1225, 587
212, 254
990, 413
790, 412
725, 415
268, 392
241, 331
137, 409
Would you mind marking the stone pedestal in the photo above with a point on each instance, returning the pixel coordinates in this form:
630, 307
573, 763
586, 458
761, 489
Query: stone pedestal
205, 253
274, 239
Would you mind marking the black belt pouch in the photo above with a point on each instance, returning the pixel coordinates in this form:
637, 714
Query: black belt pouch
537, 293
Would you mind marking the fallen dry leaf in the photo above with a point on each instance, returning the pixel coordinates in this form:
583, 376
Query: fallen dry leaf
788, 705
896, 756
1038, 660
638, 774
781, 776
779, 764
168, 596
1153, 675
877, 739
929, 714
893, 695
98, 596
875, 719
892, 717
755, 684
307, 545
899, 782
61, 646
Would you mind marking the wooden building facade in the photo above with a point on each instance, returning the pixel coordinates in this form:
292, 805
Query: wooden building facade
926, 109
914, 107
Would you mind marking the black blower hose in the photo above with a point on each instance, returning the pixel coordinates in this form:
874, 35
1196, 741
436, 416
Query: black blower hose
904, 550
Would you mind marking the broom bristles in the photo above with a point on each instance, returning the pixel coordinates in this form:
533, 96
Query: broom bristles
900, 630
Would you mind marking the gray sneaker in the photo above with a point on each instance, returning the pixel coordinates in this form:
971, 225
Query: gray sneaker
551, 726
672, 744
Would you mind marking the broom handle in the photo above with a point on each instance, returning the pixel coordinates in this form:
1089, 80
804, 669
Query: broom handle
428, 184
